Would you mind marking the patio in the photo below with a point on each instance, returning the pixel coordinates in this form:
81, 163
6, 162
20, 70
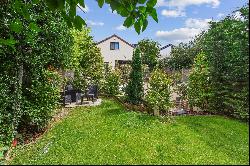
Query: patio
84, 103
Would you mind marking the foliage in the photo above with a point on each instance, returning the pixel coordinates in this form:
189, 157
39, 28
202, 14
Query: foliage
158, 94
136, 11
182, 56
30, 58
6, 100
134, 90
146, 72
87, 62
136, 139
220, 77
226, 46
176, 77
111, 82
150, 52
125, 71
37, 111
199, 87
181, 90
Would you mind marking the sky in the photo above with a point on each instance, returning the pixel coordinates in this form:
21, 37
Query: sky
179, 20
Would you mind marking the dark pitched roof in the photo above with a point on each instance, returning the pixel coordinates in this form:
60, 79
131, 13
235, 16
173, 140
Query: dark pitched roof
166, 46
162, 48
134, 45
114, 35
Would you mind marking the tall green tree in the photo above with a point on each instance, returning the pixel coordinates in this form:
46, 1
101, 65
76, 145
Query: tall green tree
87, 61
150, 52
182, 56
222, 76
134, 89
226, 45
199, 83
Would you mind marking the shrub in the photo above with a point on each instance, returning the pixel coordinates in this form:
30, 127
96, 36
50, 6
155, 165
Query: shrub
158, 94
111, 82
134, 89
181, 90
125, 71
31, 52
37, 109
199, 87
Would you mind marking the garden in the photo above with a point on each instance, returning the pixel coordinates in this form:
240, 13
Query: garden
191, 108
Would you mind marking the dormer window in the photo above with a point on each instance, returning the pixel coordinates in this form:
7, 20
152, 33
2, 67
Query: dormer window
114, 45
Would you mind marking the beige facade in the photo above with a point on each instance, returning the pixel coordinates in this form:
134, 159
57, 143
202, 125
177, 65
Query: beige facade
165, 53
124, 52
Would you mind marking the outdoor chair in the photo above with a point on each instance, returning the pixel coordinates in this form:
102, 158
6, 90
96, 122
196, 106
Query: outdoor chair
90, 93
67, 94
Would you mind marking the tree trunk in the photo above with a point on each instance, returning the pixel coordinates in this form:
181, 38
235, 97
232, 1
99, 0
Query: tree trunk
156, 112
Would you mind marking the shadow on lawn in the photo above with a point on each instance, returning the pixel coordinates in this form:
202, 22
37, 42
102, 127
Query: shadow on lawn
218, 134
126, 118
113, 112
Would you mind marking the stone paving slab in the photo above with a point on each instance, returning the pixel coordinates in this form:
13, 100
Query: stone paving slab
85, 103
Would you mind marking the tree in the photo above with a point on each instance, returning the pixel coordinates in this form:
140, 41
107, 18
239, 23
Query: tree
87, 61
199, 87
226, 46
134, 89
150, 52
219, 81
182, 56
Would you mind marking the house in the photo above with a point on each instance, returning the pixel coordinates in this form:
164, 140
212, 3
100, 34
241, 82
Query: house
116, 50
165, 51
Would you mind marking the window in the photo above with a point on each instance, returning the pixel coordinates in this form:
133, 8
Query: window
114, 45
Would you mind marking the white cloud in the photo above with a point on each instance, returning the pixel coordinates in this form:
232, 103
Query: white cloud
161, 3
178, 6
184, 3
173, 13
113, 12
197, 23
220, 15
178, 34
121, 28
81, 9
93, 23
192, 28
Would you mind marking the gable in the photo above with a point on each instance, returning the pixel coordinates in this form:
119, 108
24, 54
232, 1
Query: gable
117, 39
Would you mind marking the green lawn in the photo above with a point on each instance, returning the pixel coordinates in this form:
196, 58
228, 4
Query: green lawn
107, 134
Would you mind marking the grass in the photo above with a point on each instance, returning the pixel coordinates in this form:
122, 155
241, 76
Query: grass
107, 134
